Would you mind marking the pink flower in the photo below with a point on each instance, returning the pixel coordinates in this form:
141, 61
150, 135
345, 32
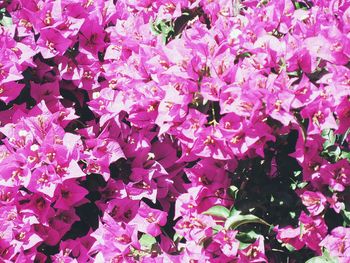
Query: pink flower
61, 222
36, 204
141, 185
228, 243
122, 209
114, 239
77, 248
254, 252
278, 107
313, 230
208, 173
314, 201
186, 203
235, 99
11, 65
195, 227
86, 75
69, 194
148, 220
210, 89
96, 108
210, 144
329, 45
304, 93
290, 235
48, 92
49, 235
320, 116
51, 43
9, 91
335, 204
336, 175
338, 243
343, 113
91, 38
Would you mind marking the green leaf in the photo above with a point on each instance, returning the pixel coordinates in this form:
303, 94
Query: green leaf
177, 237
6, 21
234, 212
289, 247
206, 242
164, 28
330, 137
325, 133
246, 54
147, 241
236, 219
301, 230
219, 211
298, 5
292, 214
327, 144
344, 136
248, 237
325, 258
243, 245
217, 228
154, 28
330, 149
294, 73
233, 191
346, 217
337, 152
345, 155
302, 185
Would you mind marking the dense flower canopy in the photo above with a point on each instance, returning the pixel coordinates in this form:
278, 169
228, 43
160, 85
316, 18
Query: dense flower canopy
175, 131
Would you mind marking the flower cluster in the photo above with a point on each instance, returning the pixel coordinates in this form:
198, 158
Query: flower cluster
175, 131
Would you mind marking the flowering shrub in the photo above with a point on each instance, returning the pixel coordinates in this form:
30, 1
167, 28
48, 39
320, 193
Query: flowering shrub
175, 131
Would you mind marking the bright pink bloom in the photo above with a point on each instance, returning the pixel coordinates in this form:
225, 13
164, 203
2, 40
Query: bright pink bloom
91, 38
51, 43
228, 243
114, 239
254, 252
313, 230
69, 194
291, 236
148, 220
338, 243
314, 201
195, 227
